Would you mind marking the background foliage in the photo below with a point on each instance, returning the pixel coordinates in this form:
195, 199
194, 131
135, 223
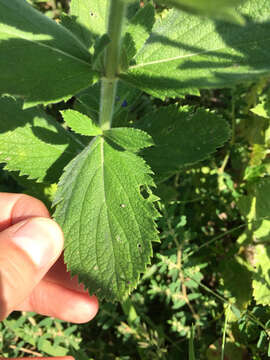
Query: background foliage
208, 284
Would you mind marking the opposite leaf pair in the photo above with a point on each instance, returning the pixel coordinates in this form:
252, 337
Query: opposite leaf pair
104, 201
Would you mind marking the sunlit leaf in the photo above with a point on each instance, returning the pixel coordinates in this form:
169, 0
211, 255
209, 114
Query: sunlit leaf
41, 61
33, 143
185, 53
108, 223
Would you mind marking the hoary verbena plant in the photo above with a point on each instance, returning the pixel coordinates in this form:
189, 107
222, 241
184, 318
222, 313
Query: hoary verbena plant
105, 163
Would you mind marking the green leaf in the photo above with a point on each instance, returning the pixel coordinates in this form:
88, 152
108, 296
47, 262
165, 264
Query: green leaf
256, 208
185, 53
87, 19
40, 60
108, 224
225, 9
186, 137
128, 138
261, 282
34, 143
80, 123
78, 30
237, 279
98, 56
138, 31
263, 107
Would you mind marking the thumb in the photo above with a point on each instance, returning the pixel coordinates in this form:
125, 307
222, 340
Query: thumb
27, 250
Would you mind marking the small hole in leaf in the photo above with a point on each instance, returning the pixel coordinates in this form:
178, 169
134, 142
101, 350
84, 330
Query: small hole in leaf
122, 206
91, 14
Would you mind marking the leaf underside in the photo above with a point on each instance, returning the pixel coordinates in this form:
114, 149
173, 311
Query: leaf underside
108, 224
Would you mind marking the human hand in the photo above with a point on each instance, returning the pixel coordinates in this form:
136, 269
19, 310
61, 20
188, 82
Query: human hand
33, 276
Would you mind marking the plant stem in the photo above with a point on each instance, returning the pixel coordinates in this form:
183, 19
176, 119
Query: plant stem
111, 63
107, 100
224, 333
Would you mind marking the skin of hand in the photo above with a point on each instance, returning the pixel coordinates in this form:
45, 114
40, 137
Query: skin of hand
33, 276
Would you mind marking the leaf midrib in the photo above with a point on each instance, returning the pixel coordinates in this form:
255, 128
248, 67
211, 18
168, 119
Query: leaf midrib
104, 196
189, 55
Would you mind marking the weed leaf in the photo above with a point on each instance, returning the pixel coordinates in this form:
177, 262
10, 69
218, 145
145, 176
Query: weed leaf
80, 123
33, 143
237, 279
261, 282
40, 61
88, 19
138, 30
185, 53
98, 56
225, 9
129, 138
186, 137
108, 223
256, 208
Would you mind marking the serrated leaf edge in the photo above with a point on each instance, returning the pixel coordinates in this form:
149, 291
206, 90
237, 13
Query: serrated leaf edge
132, 285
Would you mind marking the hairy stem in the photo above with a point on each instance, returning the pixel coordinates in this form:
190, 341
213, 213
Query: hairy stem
111, 63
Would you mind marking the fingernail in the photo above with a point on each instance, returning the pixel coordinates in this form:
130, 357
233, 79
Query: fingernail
40, 238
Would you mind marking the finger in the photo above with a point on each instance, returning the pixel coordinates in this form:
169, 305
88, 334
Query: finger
54, 300
58, 274
17, 207
27, 250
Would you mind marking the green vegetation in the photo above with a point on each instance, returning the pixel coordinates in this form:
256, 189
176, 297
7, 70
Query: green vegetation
206, 292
